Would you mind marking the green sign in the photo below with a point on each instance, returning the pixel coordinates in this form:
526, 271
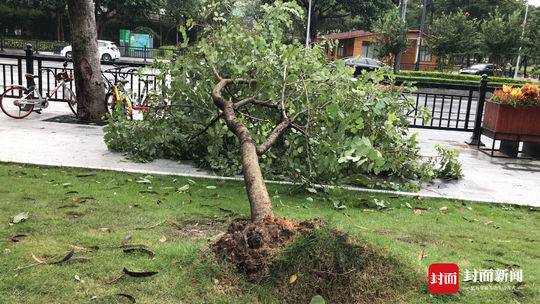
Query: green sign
125, 36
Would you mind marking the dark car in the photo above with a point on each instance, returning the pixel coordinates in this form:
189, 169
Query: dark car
363, 64
480, 69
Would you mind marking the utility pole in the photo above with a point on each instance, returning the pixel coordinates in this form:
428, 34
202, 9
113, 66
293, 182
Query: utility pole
522, 35
308, 36
421, 34
402, 13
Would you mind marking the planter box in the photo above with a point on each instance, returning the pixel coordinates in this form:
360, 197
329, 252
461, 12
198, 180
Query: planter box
516, 123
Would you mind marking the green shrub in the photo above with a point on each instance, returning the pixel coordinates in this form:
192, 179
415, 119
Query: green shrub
38, 45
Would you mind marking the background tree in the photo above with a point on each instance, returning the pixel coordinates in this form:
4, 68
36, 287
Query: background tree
454, 34
501, 35
390, 38
109, 10
91, 104
531, 43
346, 15
179, 11
477, 9
56, 8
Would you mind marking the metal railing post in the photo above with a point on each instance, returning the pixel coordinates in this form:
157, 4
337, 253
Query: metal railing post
144, 50
29, 59
477, 132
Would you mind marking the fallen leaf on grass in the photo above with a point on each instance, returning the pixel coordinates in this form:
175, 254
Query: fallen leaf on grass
66, 184
78, 278
143, 180
163, 239
417, 211
21, 217
148, 192
68, 256
488, 222
422, 255
104, 229
469, 220
126, 240
408, 205
443, 209
507, 265
137, 274
184, 188
38, 260
293, 278
17, 238
86, 174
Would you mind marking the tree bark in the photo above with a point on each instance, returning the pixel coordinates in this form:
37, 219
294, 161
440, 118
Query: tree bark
86, 62
259, 199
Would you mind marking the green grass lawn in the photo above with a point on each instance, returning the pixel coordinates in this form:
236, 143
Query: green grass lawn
80, 209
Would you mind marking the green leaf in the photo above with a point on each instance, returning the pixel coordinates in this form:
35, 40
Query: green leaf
317, 300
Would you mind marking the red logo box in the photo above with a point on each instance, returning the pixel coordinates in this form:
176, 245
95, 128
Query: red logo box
443, 278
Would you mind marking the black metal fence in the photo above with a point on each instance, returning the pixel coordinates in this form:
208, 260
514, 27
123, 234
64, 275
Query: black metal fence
450, 107
46, 67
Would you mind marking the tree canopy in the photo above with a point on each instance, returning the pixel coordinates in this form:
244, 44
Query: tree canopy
391, 35
454, 34
501, 36
342, 15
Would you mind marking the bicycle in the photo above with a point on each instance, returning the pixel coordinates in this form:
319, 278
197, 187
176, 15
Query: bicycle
18, 101
118, 95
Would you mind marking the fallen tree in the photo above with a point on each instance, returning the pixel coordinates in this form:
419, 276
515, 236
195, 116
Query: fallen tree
308, 120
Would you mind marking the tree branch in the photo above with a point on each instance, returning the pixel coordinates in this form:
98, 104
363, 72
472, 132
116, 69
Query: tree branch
274, 136
283, 111
210, 124
252, 100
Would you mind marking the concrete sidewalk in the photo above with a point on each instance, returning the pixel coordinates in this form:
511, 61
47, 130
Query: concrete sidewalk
35, 141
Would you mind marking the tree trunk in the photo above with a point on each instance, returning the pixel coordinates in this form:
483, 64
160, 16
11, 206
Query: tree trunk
259, 199
86, 61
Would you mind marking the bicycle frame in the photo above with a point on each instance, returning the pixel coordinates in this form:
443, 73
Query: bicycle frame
39, 100
122, 99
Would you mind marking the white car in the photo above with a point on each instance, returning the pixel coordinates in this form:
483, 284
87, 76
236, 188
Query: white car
108, 51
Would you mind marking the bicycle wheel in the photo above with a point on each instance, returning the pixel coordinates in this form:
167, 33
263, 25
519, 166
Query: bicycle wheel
14, 102
71, 99
109, 100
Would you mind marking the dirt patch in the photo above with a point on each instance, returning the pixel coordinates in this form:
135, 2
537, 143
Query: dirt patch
197, 229
251, 246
